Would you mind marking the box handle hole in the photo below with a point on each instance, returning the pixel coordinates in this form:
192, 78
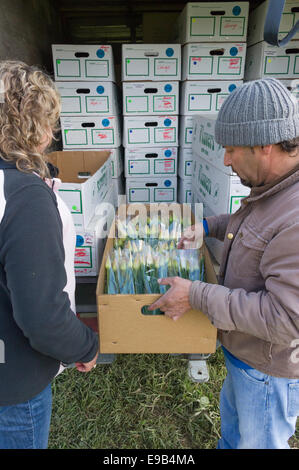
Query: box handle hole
150, 90
292, 51
214, 90
151, 155
83, 91
218, 13
217, 52
146, 311
151, 124
82, 54
88, 124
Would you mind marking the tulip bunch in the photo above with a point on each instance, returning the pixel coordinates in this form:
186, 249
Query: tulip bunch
135, 264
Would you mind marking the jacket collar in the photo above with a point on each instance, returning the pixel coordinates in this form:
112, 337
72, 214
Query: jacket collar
6, 165
269, 189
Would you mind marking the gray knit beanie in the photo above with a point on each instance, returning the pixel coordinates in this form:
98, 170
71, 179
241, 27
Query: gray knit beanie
260, 112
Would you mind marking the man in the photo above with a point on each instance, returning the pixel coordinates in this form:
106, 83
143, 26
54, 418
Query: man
256, 306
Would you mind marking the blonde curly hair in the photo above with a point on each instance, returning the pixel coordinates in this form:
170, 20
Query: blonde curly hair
29, 112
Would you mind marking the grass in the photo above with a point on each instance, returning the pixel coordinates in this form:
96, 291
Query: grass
138, 402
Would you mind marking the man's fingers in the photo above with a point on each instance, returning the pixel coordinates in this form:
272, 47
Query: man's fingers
166, 281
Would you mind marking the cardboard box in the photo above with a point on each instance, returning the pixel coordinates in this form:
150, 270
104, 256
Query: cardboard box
88, 98
123, 328
205, 96
90, 241
186, 131
92, 132
117, 159
83, 62
204, 144
148, 162
185, 166
156, 62
151, 189
258, 16
216, 61
221, 192
82, 195
119, 187
264, 60
150, 131
150, 98
212, 22
292, 86
185, 190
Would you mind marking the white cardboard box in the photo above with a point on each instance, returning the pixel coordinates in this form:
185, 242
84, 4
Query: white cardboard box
149, 190
215, 61
91, 241
212, 22
257, 20
185, 165
88, 98
148, 162
117, 162
221, 192
156, 62
293, 86
150, 98
198, 96
185, 190
83, 62
119, 187
264, 60
186, 131
82, 193
150, 131
204, 144
92, 132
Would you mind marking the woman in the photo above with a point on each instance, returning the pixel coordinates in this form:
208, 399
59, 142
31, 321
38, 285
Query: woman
37, 323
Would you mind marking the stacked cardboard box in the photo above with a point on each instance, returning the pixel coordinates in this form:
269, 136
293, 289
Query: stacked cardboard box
91, 164
213, 58
264, 60
150, 84
214, 184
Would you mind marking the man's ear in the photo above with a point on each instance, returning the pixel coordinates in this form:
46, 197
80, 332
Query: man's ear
266, 149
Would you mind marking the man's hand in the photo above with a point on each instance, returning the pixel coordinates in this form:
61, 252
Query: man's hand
86, 366
176, 300
192, 237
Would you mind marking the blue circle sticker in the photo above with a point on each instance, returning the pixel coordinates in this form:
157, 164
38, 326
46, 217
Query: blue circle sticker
168, 88
236, 10
233, 51
169, 52
100, 53
105, 122
167, 183
100, 89
167, 122
79, 240
232, 87
167, 153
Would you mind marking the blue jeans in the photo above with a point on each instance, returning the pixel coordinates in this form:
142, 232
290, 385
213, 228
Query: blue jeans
26, 425
257, 411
